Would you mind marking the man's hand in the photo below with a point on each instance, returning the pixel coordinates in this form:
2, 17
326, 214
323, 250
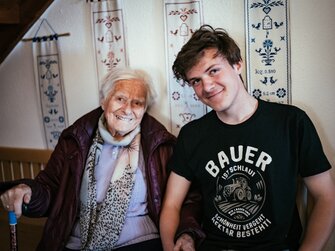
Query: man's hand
184, 243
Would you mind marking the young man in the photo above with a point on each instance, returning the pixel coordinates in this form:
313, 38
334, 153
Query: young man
245, 156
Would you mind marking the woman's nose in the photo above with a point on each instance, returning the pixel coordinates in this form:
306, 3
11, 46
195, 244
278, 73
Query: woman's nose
127, 108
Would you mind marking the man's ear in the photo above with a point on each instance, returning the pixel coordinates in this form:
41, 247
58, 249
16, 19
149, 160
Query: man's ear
238, 67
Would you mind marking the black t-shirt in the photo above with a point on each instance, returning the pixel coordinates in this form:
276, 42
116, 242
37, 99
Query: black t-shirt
248, 174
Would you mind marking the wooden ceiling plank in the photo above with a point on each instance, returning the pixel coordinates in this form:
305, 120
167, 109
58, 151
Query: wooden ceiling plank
30, 11
9, 12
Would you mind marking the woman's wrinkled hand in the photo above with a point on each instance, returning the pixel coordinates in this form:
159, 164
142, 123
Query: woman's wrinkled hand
13, 198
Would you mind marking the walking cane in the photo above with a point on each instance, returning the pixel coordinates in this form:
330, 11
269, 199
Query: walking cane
13, 241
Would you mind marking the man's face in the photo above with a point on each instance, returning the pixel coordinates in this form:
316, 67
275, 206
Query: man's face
125, 106
215, 81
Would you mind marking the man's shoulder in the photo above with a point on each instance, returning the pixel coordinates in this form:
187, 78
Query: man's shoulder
279, 108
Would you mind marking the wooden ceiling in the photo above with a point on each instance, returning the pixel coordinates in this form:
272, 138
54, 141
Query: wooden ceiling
16, 18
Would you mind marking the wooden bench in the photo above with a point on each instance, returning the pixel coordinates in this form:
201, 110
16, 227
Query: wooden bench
18, 163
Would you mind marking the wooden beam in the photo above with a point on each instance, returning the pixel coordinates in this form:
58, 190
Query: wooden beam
9, 12
30, 11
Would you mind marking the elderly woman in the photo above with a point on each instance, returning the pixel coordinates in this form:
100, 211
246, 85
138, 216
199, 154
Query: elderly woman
103, 185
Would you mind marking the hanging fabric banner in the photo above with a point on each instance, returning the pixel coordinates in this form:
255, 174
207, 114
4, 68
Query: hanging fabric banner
49, 83
268, 50
182, 18
108, 35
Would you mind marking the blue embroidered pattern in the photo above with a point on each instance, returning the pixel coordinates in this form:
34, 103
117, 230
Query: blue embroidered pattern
268, 65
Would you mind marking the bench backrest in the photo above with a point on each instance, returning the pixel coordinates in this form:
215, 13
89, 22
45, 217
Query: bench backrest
18, 163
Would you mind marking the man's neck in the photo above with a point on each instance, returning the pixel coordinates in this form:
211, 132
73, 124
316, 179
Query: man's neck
240, 112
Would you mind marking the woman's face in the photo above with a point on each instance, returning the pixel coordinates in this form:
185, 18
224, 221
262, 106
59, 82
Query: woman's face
125, 106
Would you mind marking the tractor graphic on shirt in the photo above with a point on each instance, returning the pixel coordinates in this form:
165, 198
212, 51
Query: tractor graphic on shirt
239, 197
239, 190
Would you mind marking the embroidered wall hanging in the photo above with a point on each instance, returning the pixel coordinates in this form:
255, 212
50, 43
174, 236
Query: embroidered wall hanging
108, 35
49, 83
182, 18
268, 50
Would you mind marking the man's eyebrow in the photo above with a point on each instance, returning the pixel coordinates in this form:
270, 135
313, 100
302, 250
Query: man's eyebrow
210, 67
207, 69
189, 80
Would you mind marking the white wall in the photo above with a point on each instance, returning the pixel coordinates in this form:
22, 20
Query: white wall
313, 67
146, 49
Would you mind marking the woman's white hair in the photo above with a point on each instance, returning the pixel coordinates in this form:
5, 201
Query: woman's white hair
125, 73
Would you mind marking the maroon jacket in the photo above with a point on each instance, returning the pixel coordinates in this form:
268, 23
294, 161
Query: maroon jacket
55, 191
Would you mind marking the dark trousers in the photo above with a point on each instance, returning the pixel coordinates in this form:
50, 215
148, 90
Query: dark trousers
150, 245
